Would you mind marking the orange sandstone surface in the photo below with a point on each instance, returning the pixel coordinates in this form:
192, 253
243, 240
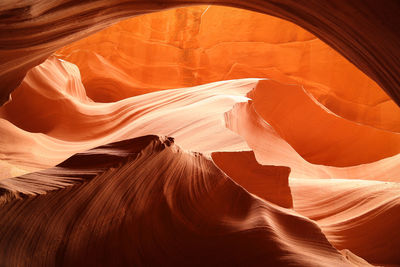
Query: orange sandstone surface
190, 46
203, 135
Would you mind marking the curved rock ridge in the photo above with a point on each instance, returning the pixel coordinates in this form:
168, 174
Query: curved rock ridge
78, 168
68, 124
196, 45
297, 167
200, 118
365, 32
362, 216
152, 204
318, 135
271, 149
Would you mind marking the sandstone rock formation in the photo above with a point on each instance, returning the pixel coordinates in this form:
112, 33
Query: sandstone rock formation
203, 135
144, 201
191, 46
268, 182
365, 32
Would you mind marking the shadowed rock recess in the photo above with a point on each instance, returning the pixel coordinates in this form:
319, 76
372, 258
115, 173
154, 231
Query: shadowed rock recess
145, 201
199, 133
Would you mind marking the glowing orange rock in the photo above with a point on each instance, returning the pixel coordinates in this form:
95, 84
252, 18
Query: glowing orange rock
318, 135
199, 118
146, 200
196, 45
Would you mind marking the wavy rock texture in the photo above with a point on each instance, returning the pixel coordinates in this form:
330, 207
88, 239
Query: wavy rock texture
365, 32
320, 136
156, 203
358, 215
271, 149
272, 166
71, 123
196, 117
200, 117
191, 46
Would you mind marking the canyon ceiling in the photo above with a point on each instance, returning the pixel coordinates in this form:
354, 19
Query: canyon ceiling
365, 32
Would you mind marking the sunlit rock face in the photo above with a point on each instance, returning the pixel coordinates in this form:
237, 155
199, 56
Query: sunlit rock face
203, 135
365, 31
197, 45
191, 46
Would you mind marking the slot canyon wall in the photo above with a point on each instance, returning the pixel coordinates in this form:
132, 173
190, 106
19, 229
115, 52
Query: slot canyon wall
199, 135
365, 32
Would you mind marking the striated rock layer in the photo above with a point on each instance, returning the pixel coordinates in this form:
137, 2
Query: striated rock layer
272, 165
365, 32
146, 202
362, 216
